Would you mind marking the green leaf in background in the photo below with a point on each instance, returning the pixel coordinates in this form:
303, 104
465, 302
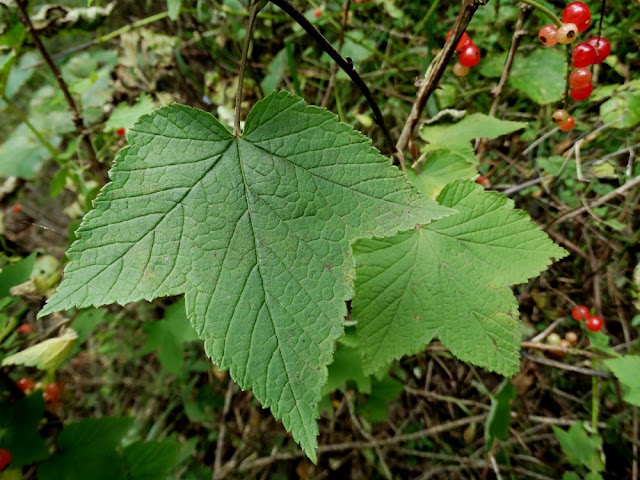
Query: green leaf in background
16, 273
87, 450
46, 355
150, 460
626, 370
347, 366
168, 336
440, 167
580, 448
457, 136
623, 109
493, 65
540, 76
173, 6
383, 392
124, 115
84, 324
499, 418
255, 230
450, 279
19, 423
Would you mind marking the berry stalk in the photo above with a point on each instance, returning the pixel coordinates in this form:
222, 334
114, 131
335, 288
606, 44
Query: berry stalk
545, 10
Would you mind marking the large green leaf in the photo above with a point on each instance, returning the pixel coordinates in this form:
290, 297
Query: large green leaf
256, 232
580, 447
150, 460
450, 280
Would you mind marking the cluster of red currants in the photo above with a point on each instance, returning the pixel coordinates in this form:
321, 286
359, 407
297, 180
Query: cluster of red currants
592, 322
468, 55
5, 458
576, 18
51, 392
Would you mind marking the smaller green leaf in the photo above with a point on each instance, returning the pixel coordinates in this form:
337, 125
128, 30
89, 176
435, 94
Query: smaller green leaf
173, 6
457, 136
499, 418
540, 76
150, 460
16, 273
19, 423
47, 355
581, 448
623, 109
440, 167
383, 392
124, 115
626, 371
347, 366
203, 12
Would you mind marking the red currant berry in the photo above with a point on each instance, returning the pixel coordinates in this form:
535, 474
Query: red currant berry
317, 13
579, 77
602, 46
17, 208
27, 385
548, 35
567, 125
484, 181
582, 93
567, 33
469, 56
463, 42
120, 132
583, 55
580, 312
578, 13
5, 458
52, 392
594, 323
460, 70
26, 329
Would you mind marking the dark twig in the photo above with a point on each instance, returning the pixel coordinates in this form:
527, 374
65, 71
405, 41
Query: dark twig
253, 13
565, 366
345, 64
436, 69
78, 121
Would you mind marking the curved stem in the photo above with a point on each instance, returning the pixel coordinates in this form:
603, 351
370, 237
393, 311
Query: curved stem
344, 63
545, 10
253, 13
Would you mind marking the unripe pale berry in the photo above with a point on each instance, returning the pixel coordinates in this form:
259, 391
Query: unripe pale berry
548, 35
560, 116
567, 33
553, 339
571, 337
460, 70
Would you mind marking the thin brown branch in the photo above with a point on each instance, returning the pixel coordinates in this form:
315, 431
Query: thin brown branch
436, 70
78, 121
334, 67
222, 431
518, 33
596, 203
563, 366
338, 447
